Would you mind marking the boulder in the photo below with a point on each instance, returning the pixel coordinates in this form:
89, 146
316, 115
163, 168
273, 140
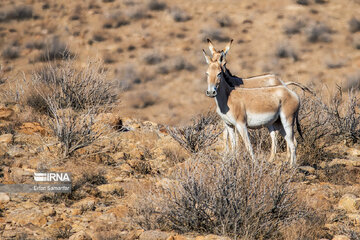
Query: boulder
341, 237
80, 236
4, 198
154, 235
27, 216
6, 138
349, 202
212, 237
32, 128
354, 218
6, 113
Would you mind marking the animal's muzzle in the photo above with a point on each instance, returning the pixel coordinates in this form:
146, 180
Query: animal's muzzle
211, 93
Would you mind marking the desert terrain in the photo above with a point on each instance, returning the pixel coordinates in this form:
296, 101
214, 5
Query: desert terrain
113, 91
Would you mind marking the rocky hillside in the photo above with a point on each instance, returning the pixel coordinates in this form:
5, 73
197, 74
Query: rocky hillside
95, 87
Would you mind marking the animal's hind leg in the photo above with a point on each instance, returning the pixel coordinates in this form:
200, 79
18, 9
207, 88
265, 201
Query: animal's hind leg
229, 134
288, 125
242, 129
273, 142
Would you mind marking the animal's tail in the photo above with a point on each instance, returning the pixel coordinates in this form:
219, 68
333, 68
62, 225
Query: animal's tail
304, 88
298, 126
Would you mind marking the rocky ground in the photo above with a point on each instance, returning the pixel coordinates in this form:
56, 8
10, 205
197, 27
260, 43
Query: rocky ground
108, 183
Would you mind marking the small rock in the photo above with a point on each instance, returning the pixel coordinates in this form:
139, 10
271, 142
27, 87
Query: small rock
349, 202
212, 237
307, 169
341, 237
49, 211
354, 218
154, 235
107, 187
4, 197
6, 113
134, 234
80, 236
353, 152
6, 138
32, 128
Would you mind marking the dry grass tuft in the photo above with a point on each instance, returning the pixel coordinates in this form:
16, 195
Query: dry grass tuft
354, 25
179, 15
55, 49
318, 32
231, 196
10, 52
20, 12
202, 133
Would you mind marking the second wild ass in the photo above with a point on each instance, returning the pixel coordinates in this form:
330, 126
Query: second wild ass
274, 107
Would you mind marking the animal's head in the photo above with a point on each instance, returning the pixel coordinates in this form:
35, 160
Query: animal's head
217, 54
214, 73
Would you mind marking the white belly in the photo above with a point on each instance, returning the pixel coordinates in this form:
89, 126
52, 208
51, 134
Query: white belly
258, 120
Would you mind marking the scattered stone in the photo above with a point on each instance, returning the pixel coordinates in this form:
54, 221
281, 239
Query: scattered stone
80, 236
341, 237
354, 218
134, 234
6, 113
349, 202
4, 198
6, 138
212, 237
107, 188
27, 216
307, 169
154, 235
32, 128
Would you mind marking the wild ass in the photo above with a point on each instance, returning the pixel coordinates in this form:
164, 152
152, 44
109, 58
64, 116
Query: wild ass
274, 107
263, 80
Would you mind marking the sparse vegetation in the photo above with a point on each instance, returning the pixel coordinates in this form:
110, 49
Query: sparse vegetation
202, 133
303, 2
20, 12
354, 25
55, 49
319, 32
352, 82
71, 98
233, 196
10, 52
294, 27
155, 5
214, 34
224, 21
286, 51
153, 58
179, 15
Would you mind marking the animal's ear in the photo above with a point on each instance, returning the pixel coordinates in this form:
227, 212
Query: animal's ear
227, 47
211, 47
222, 58
207, 58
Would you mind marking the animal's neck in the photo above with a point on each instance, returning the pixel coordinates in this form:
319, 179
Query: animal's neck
222, 96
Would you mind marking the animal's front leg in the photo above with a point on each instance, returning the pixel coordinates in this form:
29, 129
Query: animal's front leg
230, 135
242, 129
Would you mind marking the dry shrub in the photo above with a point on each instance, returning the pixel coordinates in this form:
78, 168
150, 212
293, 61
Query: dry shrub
231, 196
79, 89
21, 12
144, 99
319, 32
356, 42
224, 21
176, 64
10, 52
323, 124
179, 15
35, 44
55, 49
285, 50
72, 98
127, 76
294, 27
344, 117
155, 5
153, 58
354, 25
214, 34
314, 122
115, 19
352, 82
202, 133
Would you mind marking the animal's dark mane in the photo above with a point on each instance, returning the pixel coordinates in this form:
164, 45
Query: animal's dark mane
231, 79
